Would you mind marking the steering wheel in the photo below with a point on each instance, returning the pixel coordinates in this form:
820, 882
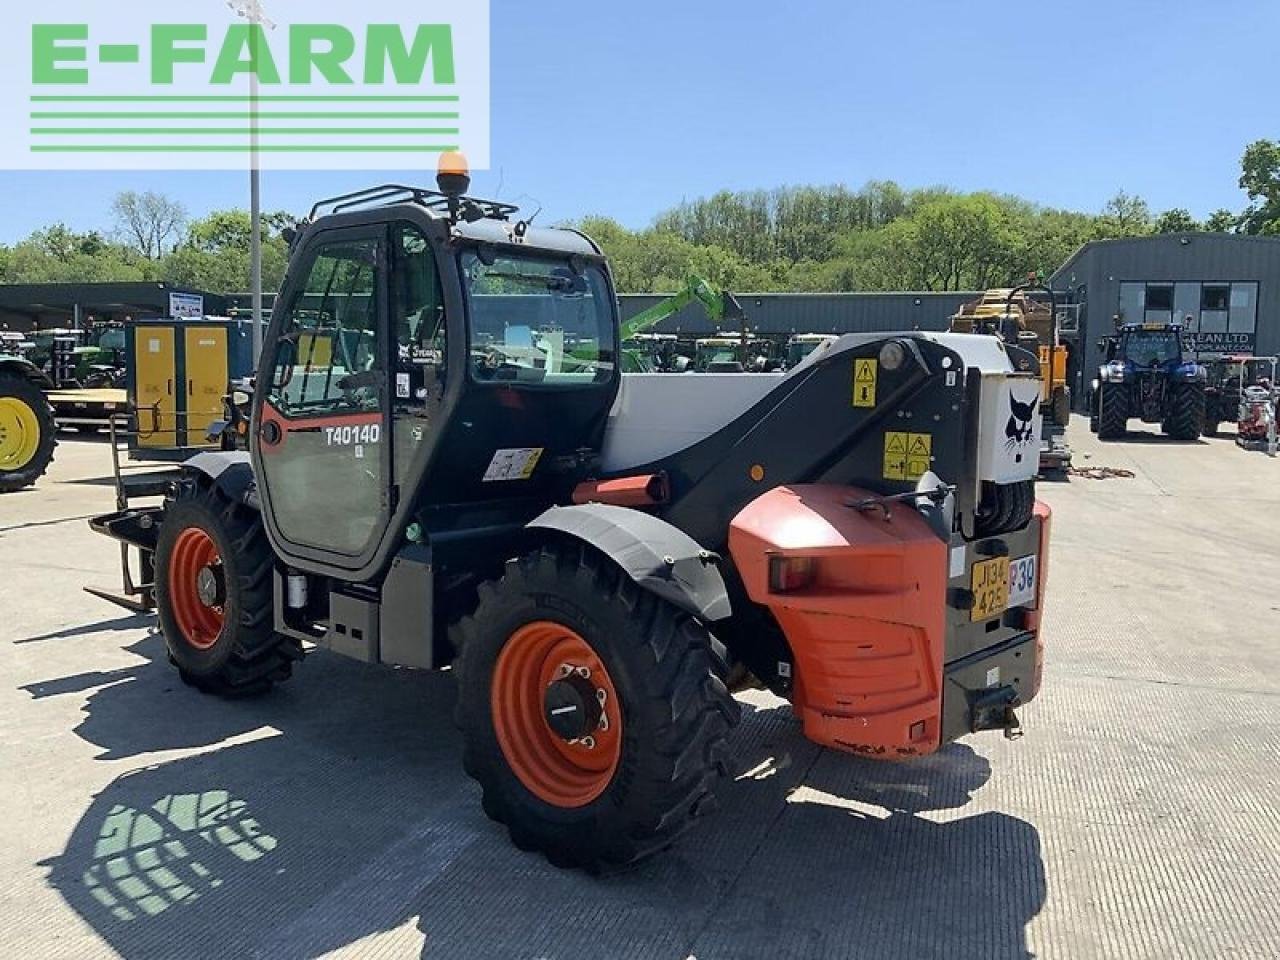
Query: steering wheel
489, 362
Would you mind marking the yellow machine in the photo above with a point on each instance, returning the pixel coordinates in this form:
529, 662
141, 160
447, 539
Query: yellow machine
1016, 316
178, 375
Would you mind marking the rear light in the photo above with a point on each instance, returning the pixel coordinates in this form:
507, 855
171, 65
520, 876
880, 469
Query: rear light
789, 574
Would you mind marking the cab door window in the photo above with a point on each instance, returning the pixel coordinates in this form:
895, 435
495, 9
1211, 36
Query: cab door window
323, 458
329, 354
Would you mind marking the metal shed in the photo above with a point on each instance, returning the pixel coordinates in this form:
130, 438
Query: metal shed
28, 306
1224, 287
779, 315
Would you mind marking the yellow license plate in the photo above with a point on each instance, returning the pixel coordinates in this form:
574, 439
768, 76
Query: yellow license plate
990, 588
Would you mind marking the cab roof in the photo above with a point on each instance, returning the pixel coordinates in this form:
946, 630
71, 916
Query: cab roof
482, 221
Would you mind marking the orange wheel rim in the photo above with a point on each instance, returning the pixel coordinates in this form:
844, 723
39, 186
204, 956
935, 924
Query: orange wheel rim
564, 773
200, 623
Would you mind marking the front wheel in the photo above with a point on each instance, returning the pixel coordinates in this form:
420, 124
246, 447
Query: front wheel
1061, 406
594, 714
1113, 412
1187, 419
214, 595
27, 433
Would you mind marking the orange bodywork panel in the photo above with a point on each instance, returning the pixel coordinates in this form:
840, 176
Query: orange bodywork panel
868, 631
642, 491
1035, 616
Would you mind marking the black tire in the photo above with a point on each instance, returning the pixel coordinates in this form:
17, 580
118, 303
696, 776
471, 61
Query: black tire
667, 670
1113, 412
1187, 419
18, 388
248, 657
1005, 508
1061, 409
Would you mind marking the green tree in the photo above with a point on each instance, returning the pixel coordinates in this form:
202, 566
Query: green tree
1222, 221
1176, 220
1260, 179
150, 222
58, 254
1124, 216
215, 254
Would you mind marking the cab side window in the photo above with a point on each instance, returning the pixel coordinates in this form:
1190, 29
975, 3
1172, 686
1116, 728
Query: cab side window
328, 358
422, 347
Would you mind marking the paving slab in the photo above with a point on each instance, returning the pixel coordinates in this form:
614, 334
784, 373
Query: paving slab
1138, 817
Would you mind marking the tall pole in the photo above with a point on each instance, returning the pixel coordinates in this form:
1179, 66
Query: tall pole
255, 214
251, 10
255, 251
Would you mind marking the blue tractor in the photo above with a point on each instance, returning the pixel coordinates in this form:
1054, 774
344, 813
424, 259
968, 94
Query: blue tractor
1147, 374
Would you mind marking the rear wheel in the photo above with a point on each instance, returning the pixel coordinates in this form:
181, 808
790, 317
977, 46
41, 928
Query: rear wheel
214, 595
594, 714
1187, 420
1061, 408
27, 433
1113, 412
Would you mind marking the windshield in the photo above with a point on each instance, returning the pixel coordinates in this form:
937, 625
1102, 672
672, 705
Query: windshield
799, 349
1152, 348
536, 320
112, 339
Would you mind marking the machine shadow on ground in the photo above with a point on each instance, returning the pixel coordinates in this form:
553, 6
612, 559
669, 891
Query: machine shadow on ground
335, 810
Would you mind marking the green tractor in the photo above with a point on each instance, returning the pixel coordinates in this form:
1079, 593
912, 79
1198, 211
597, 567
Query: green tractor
88, 359
27, 428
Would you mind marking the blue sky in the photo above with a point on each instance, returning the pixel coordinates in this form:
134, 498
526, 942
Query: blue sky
624, 109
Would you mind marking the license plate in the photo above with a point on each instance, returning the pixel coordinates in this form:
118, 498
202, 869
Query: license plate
990, 588
1022, 582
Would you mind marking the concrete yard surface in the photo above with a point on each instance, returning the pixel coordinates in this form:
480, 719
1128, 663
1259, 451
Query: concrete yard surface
1138, 817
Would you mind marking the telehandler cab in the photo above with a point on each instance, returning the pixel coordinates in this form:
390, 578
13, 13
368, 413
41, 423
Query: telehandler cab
446, 467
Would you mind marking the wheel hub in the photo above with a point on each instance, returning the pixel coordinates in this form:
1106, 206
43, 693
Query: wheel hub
211, 585
19, 434
197, 588
556, 714
573, 707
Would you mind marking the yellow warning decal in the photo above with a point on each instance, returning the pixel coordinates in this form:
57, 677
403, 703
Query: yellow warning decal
907, 456
865, 375
919, 455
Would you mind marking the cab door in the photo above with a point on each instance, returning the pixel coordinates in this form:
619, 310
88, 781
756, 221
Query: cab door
322, 454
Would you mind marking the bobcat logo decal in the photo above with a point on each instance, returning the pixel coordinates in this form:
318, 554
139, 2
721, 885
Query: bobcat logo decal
1020, 429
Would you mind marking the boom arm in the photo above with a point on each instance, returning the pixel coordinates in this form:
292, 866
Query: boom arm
720, 306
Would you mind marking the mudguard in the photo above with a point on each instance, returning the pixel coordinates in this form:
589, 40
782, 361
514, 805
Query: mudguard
231, 473
660, 558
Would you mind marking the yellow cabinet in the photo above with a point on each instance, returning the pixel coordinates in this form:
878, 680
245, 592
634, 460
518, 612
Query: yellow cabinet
179, 371
154, 397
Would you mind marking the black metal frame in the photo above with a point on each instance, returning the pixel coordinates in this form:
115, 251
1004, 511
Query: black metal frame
391, 194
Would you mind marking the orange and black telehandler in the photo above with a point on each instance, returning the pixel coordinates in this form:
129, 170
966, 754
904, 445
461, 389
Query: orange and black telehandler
446, 467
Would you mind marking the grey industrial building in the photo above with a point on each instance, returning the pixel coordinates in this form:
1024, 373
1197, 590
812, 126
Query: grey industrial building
25, 307
1224, 288
782, 314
